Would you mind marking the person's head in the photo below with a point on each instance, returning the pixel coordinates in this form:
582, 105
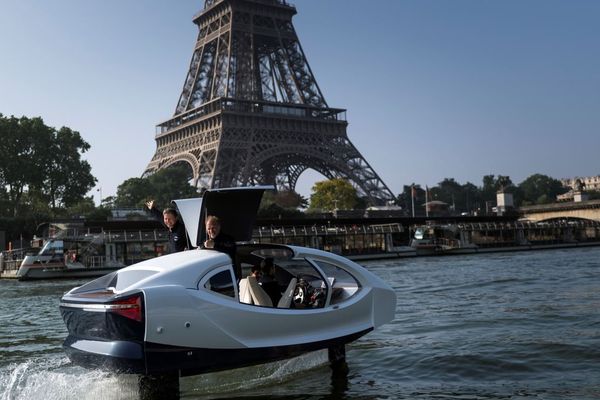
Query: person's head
256, 271
266, 266
213, 226
170, 217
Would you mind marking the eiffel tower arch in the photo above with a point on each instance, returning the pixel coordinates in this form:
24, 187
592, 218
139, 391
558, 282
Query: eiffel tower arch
251, 111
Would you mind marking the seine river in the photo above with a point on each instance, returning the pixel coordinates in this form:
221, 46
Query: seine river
490, 326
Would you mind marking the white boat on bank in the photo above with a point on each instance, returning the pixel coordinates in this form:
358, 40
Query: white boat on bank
53, 262
441, 239
79, 252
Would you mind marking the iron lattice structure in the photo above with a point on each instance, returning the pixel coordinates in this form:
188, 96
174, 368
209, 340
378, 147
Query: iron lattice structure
251, 111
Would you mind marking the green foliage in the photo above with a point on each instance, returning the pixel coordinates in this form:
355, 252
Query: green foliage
82, 208
18, 230
69, 177
540, 189
470, 198
133, 192
162, 187
537, 189
460, 198
40, 167
109, 202
283, 199
281, 204
412, 196
277, 212
99, 214
492, 184
333, 194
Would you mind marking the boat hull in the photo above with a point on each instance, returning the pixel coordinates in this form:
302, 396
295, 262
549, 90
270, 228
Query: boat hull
61, 272
148, 358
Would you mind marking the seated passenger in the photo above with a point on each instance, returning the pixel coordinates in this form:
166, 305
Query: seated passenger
268, 282
258, 294
256, 272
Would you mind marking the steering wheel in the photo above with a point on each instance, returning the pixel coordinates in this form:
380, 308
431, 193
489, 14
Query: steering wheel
300, 294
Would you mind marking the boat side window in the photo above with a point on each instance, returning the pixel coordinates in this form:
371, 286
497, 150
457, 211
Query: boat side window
52, 248
343, 284
126, 278
311, 288
219, 281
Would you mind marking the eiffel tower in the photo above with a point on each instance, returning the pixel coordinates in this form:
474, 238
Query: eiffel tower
251, 111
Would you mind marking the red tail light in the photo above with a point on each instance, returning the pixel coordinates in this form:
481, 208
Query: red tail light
130, 307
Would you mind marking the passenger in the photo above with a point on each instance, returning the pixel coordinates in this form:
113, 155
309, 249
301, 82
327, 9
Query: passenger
221, 241
268, 282
256, 272
259, 296
178, 240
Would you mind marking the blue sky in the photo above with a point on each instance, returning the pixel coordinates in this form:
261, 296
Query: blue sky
434, 88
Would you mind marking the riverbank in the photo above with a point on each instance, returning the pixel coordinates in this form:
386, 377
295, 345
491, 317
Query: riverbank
358, 239
409, 253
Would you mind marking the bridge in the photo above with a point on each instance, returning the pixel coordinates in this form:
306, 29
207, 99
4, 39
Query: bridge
585, 210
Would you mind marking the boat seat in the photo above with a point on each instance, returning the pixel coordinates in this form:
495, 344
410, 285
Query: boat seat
259, 296
288, 295
245, 296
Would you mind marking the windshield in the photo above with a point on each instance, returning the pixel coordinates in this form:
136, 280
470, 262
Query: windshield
52, 247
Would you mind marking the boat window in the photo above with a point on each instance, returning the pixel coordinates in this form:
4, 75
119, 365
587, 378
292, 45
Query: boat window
126, 278
344, 285
219, 281
51, 248
311, 289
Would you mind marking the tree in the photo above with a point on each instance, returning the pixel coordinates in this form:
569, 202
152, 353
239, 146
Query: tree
281, 204
19, 166
84, 208
404, 199
69, 177
290, 199
333, 194
491, 186
488, 191
163, 186
133, 192
42, 165
471, 196
283, 199
450, 193
540, 189
411, 195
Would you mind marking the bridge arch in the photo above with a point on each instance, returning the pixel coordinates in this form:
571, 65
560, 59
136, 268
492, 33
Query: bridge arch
584, 210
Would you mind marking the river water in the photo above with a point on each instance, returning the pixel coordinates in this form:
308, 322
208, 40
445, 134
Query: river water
490, 326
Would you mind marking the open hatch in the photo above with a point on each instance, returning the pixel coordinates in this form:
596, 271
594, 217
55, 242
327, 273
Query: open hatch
236, 208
